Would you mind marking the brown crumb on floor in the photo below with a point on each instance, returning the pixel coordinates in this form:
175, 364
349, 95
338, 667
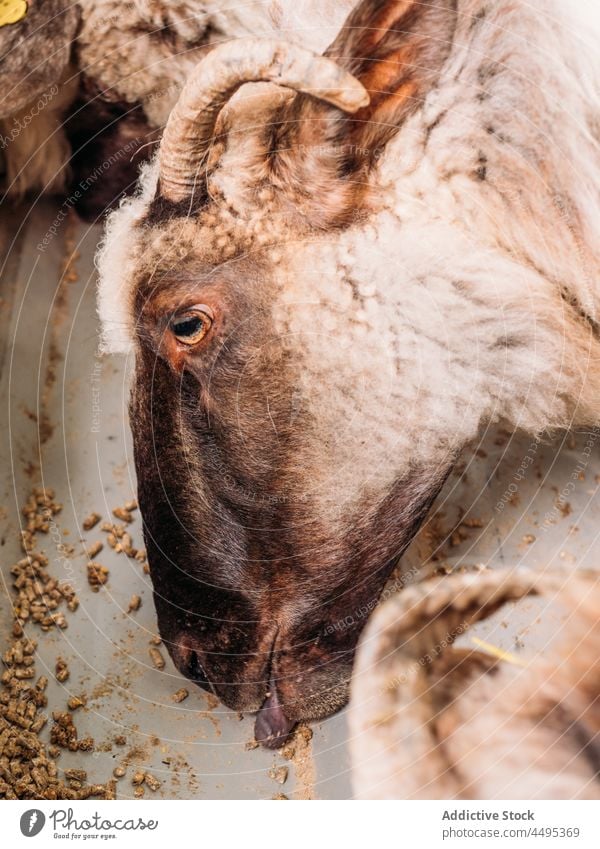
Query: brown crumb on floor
135, 754
299, 752
61, 670
156, 657
138, 777
94, 549
91, 521
135, 602
180, 695
76, 774
28, 768
278, 774
472, 523
39, 594
152, 782
565, 508
63, 732
97, 575
75, 702
123, 515
212, 701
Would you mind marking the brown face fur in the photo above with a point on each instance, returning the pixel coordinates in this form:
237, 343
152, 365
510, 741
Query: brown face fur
253, 584
257, 586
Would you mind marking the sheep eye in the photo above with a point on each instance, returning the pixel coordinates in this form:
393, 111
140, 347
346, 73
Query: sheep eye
192, 326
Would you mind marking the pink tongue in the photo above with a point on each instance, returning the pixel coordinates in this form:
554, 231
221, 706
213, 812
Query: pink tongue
272, 727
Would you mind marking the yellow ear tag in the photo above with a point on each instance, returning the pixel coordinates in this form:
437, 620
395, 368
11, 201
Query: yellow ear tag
12, 11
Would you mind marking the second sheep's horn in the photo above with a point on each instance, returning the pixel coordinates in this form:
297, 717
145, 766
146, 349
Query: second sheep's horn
190, 128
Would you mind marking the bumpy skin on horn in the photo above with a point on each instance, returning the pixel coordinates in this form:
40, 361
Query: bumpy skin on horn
428, 721
190, 127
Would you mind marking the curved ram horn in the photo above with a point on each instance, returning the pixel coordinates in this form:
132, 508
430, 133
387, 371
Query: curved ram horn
190, 128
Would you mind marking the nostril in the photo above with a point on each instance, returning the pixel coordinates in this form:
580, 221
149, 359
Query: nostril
272, 728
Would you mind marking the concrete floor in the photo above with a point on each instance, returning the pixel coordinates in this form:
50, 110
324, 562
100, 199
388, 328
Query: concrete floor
64, 426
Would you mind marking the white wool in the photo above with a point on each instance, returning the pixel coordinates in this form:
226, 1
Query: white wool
410, 374
311, 23
37, 158
36, 150
116, 262
119, 44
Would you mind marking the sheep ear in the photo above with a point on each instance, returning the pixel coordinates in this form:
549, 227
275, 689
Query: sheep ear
396, 48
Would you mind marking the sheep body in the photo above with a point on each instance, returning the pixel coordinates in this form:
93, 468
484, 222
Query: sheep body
35, 52
428, 721
143, 51
38, 87
134, 54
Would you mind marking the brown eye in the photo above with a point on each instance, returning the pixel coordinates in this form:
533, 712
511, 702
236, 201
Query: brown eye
191, 327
